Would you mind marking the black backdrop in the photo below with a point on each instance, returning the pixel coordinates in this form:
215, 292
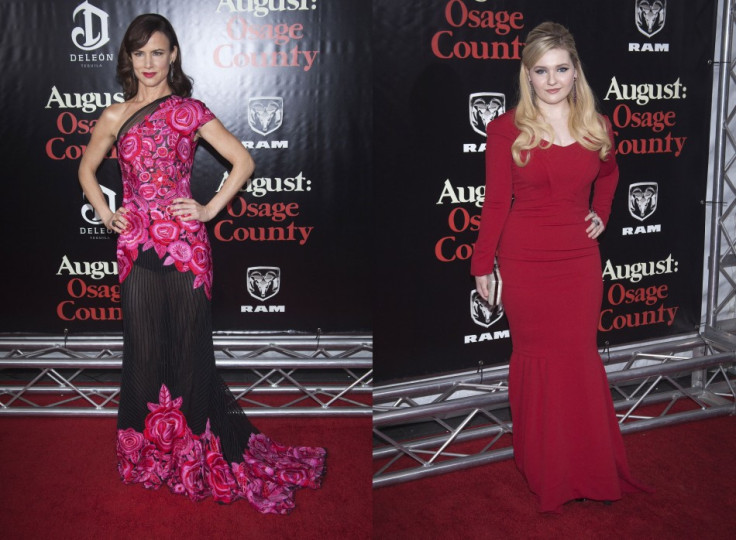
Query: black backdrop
308, 60
375, 142
432, 61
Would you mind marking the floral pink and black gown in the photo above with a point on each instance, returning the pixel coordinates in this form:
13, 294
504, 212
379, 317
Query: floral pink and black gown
178, 423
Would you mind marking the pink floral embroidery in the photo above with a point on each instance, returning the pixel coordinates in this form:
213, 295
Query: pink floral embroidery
130, 147
147, 191
168, 453
137, 231
124, 264
180, 251
156, 157
185, 117
184, 149
199, 262
164, 231
166, 423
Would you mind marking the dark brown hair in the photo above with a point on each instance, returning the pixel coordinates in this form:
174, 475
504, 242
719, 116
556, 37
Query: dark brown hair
136, 36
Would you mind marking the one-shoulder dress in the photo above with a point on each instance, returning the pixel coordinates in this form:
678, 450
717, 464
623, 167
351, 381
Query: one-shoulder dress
179, 425
566, 438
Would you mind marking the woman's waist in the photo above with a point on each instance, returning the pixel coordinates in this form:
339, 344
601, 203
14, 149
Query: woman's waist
545, 238
150, 226
552, 211
546, 253
143, 196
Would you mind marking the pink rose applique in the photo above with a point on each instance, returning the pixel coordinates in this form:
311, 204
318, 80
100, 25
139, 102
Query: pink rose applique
137, 231
125, 264
168, 453
184, 116
147, 191
166, 423
200, 262
164, 231
180, 254
130, 146
184, 149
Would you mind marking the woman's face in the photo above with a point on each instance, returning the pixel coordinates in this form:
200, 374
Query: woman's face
553, 76
151, 62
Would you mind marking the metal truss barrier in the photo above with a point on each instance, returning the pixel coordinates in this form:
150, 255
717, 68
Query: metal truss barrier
721, 313
270, 374
418, 425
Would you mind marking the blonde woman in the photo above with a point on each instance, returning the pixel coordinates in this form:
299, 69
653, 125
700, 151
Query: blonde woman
550, 179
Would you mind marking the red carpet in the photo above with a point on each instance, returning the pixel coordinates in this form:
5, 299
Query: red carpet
58, 479
691, 466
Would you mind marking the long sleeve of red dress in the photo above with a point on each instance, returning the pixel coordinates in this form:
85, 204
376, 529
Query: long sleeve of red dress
605, 185
545, 202
501, 134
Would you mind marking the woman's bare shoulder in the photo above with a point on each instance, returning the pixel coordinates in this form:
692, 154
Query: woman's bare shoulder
117, 112
113, 117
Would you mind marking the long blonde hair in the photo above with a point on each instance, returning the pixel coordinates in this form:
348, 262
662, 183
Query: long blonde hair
586, 126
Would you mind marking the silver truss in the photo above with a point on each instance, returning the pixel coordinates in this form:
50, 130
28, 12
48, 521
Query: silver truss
270, 374
419, 425
721, 311
455, 421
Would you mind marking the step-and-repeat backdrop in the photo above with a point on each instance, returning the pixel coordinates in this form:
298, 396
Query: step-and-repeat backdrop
290, 78
366, 120
443, 69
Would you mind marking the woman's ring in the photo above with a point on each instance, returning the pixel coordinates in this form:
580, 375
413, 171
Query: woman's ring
597, 222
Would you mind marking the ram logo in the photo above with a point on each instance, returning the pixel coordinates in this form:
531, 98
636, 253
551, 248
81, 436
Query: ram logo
265, 114
481, 313
484, 108
643, 199
264, 282
650, 15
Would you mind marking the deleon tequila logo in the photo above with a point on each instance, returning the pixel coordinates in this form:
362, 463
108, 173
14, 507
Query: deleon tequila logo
97, 230
93, 33
88, 212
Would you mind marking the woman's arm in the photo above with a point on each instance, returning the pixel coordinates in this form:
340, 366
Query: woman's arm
232, 150
498, 194
102, 139
605, 184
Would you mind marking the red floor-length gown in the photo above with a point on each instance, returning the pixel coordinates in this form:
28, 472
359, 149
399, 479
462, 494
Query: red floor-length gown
566, 438
178, 423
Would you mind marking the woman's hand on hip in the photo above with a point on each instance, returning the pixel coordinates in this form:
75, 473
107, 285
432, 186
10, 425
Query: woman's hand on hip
189, 210
117, 221
596, 227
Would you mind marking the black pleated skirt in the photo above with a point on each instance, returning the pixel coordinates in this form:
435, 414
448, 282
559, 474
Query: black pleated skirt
167, 340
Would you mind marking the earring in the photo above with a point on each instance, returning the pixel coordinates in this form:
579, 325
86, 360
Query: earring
575, 90
531, 91
171, 71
